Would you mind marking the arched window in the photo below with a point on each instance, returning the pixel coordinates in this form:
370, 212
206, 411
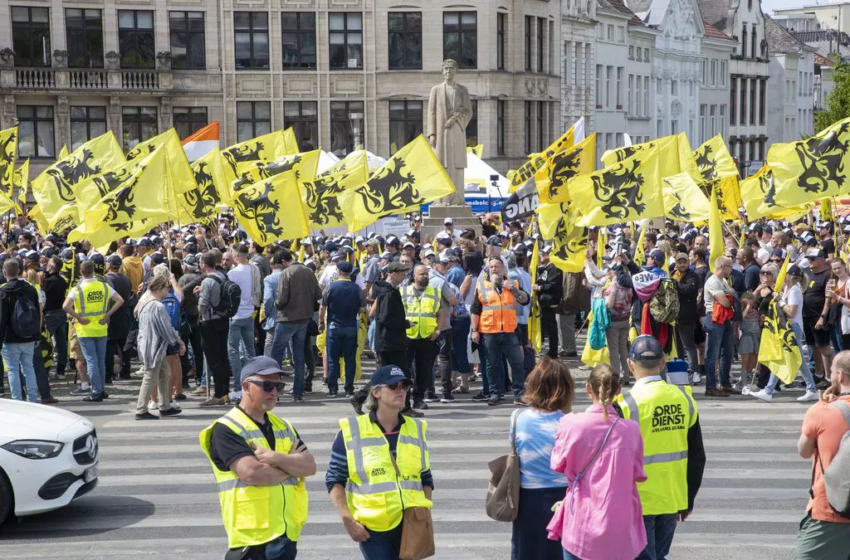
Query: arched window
744, 43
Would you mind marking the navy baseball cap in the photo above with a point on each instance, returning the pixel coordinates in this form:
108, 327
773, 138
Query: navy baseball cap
345, 267
114, 261
261, 365
657, 255
388, 375
646, 348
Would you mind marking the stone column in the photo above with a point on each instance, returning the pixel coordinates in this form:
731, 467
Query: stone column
10, 112
113, 118
63, 122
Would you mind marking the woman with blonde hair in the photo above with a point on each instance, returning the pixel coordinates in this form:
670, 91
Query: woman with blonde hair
601, 455
549, 391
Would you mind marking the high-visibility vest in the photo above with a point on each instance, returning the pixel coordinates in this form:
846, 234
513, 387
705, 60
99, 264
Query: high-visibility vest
421, 311
377, 495
255, 515
664, 412
498, 313
92, 302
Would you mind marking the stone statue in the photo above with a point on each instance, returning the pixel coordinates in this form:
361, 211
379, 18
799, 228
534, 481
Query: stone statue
449, 111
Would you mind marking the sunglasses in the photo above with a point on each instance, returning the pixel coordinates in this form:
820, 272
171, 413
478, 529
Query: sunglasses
396, 386
776, 260
269, 386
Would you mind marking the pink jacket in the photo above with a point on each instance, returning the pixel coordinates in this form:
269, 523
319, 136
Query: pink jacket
606, 522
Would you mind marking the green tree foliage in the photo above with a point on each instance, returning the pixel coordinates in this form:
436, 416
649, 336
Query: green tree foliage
838, 104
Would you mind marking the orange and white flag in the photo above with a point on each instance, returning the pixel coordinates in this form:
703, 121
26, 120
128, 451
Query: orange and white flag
202, 142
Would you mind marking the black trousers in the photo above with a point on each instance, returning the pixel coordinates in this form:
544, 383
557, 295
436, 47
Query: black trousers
309, 361
444, 354
549, 329
115, 346
197, 347
421, 353
528, 535
215, 342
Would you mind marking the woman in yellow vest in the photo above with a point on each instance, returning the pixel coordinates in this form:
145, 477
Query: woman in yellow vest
380, 467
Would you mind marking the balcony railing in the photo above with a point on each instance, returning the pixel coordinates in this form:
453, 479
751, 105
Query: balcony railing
35, 78
88, 79
73, 79
140, 79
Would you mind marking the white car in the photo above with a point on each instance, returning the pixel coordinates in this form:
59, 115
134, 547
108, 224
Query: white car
48, 457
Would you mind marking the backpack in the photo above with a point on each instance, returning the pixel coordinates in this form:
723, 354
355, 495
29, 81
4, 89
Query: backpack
837, 477
26, 319
664, 305
175, 310
230, 295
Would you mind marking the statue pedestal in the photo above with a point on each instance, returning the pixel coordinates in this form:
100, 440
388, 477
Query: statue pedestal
462, 218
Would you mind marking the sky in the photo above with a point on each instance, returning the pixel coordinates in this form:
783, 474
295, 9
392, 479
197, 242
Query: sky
769, 5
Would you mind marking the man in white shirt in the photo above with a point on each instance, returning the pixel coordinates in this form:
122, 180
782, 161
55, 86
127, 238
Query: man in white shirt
241, 346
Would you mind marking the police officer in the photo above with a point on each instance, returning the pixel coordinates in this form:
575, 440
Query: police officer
260, 464
379, 467
674, 457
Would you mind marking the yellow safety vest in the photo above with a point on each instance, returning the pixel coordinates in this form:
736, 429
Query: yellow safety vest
665, 413
421, 311
92, 302
255, 515
378, 495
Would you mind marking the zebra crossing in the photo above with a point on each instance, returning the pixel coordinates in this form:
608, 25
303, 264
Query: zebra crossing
156, 497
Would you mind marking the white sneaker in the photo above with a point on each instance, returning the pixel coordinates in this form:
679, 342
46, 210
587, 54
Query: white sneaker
153, 406
696, 379
809, 396
175, 406
763, 395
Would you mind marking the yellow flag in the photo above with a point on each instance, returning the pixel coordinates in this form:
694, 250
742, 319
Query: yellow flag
589, 356
714, 161
478, 150
640, 254
683, 199
321, 196
716, 244
268, 147
270, 210
759, 198
63, 153
39, 219
22, 181
351, 161
8, 156
601, 241
411, 177
536, 161
535, 334
569, 244
674, 155
728, 196
548, 217
199, 205
625, 191
304, 164
827, 210
57, 185
552, 178
811, 169
778, 349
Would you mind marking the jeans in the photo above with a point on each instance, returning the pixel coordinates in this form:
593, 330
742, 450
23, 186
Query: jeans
342, 343
17, 357
659, 534
570, 556
460, 333
719, 341
484, 370
549, 329
507, 345
94, 352
295, 331
214, 341
56, 322
370, 336
241, 335
804, 366
382, 545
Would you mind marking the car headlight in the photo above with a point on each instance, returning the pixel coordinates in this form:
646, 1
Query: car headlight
34, 449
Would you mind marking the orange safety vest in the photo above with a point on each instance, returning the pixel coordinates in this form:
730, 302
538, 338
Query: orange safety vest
498, 314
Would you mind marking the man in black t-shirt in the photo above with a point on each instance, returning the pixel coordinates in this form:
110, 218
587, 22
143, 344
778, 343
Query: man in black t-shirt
826, 241
815, 311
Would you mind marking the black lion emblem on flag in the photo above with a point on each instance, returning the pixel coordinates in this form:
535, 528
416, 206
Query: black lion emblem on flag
823, 160
768, 187
390, 189
564, 169
619, 190
258, 207
7, 157
678, 211
139, 151
706, 166
71, 171
243, 153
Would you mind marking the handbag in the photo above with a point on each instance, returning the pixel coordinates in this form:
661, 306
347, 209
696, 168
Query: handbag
417, 531
502, 503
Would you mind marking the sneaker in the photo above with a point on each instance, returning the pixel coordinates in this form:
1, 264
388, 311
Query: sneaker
762, 395
199, 392
624, 380
480, 397
447, 399
98, 397
146, 416
175, 405
731, 390
180, 397
153, 406
297, 399
332, 394
170, 412
78, 390
715, 393
308, 390
463, 390
349, 394
696, 379
105, 395
413, 413
420, 404
823, 384
571, 354
809, 396
212, 401
493, 401
430, 397
518, 402
49, 400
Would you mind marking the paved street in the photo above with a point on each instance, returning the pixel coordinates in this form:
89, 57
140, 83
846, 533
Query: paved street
156, 497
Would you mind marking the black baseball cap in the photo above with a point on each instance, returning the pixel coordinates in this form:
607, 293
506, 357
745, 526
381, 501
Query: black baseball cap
646, 348
816, 254
345, 267
261, 365
388, 375
114, 261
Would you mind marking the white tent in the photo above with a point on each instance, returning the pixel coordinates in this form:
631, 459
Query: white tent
326, 161
479, 189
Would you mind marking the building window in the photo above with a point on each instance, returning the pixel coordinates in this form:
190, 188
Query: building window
36, 134
702, 132
405, 40
646, 96
712, 115
189, 120
598, 86
713, 65
344, 137
405, 123
303, 117
460, 38
609, 75
762, 100
753, 51
744, 43
84, 32
501, 39
541, 136
631, 94
733, 102
472, 127
610, 33
31, 36
251, 34
188, 46
723, 120
346, 40
86, 123
529, 21
528, 135
722, 73
135, 38
743, 119
298, 33
753, 94
253, 118
500, 127
631, 53
620, 87
138, 124
541, 26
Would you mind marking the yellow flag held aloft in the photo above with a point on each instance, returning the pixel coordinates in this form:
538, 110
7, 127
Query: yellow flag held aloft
200, 204
63, 153
716, 244
57, 185
625, 191
22, 181
729, 198
411, 177
714, 161
549, 216
321, 196
827, 210
268, 147
536, 161
674, 155
778, 349
304, 164
569, 244
535, 334
39, 219
683, 199
551, 179
478, 150
8, 156
640, 253
811, 169
589, 356
270, 210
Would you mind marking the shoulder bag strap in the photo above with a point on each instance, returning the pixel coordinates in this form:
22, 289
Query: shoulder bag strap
579, 476
844, 409
514, 421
